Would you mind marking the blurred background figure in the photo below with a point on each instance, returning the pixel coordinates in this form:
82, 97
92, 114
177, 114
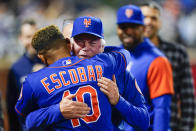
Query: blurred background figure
182, 117
26, 64
67, 28
7, 30
178, 21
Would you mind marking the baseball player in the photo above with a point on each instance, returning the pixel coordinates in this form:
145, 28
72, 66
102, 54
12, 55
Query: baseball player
72, 75
125, 98
149, 66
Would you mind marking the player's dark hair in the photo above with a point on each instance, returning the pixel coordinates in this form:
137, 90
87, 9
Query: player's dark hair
152, 4
47, 38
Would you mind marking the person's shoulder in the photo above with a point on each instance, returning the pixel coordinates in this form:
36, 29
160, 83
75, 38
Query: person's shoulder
174, 47
101, 57
117, 50
161, 62
38, 74
151, 49
24, 59
19, 63
104, 59
112, 48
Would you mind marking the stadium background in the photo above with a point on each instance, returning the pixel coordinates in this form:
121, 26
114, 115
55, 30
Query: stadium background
178, 18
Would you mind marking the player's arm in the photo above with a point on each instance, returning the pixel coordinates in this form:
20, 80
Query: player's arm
160, 82
135, 112
41, 118
25, 103
66, 109
161, 106
131, 106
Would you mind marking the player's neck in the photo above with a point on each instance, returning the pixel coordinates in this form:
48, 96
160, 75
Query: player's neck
155, 40
58, 54
61, 56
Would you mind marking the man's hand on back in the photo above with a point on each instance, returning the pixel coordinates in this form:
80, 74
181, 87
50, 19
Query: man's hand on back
73, 109
109, 88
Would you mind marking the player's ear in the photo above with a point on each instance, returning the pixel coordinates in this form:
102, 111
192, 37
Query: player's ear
102, 48
41, 57
102, 45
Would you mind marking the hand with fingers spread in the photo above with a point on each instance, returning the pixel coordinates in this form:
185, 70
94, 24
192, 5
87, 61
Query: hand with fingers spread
109, 88
73, 109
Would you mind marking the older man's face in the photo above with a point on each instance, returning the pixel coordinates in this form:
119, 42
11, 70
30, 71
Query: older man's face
86, 45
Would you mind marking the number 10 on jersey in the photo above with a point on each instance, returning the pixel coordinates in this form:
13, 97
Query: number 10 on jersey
94, 104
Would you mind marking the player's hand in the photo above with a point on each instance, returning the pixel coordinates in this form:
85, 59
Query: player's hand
73, 109
109, 88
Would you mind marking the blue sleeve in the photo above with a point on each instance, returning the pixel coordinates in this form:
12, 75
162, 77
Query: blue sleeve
120, 58
26, 102
161, 112
131, 104
132, 107
44, 117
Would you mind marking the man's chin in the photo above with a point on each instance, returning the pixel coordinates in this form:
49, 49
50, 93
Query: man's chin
128, 43
128, 40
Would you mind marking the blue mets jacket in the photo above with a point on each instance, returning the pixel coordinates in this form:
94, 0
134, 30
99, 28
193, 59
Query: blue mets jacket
48, 117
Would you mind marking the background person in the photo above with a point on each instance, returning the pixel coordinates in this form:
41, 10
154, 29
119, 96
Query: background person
149, 66
182, 106
90, 42
27, 63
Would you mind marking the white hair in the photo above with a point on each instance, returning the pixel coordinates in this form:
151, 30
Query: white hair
103, 42
72, 40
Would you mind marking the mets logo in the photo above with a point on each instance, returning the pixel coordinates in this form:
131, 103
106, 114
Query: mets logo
87, 22
129, 13
66, 62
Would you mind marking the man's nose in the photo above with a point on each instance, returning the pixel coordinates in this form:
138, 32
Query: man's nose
86, 45
128, 31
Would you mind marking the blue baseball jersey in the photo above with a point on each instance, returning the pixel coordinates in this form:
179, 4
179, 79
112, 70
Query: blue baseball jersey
69, 76
130, 104
153, 73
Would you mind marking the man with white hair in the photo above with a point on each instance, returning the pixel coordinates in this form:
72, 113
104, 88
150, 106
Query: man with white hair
88, 40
